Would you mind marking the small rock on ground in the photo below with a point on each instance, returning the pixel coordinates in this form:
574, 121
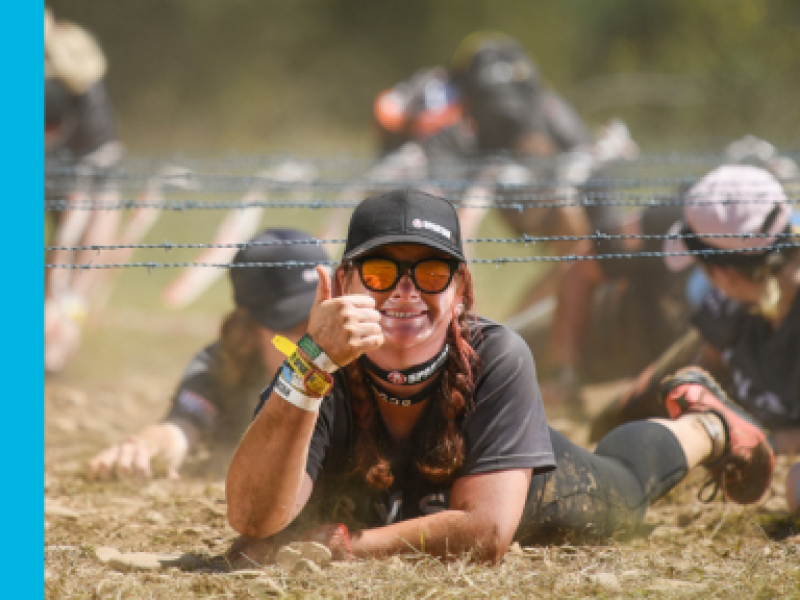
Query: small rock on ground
515, 549
245, 574
665, 532
53, 510
271, 584
135, 561
155, 517
608, 582
663, 585
148, 561
105, 553
287, 557
305, 566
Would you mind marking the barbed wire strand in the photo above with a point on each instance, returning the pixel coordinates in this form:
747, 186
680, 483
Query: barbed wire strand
498, 261
518, 205
525, 239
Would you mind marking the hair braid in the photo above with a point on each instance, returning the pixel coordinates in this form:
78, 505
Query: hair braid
443, 450
370, 462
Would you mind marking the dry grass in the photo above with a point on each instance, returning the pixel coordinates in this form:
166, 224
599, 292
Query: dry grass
688, 550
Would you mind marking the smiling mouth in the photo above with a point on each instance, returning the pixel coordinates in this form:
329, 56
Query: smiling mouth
401, 315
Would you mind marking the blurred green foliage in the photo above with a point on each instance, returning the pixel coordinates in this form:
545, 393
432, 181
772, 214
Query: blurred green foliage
301, 75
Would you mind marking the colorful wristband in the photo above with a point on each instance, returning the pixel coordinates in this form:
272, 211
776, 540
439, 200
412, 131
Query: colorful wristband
294, 396
318, 382
317, 354
315, 380
292, 378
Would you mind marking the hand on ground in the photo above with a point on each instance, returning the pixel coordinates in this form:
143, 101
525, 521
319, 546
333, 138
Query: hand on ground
130, 458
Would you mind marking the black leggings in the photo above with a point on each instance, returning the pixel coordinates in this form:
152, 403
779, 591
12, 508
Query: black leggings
596, 495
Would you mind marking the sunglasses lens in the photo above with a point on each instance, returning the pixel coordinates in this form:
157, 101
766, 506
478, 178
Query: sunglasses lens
378, 274
432, 275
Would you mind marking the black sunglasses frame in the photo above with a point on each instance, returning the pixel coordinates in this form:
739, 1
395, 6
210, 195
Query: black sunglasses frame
404, 268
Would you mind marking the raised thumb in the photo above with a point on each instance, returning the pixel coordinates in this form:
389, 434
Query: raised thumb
323, 285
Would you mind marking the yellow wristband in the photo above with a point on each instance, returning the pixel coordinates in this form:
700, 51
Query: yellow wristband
316, 380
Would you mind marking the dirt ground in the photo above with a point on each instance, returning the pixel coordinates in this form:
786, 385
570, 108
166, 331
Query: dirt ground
687, 549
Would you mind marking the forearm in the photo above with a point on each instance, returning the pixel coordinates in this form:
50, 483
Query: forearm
447, 533
268, 467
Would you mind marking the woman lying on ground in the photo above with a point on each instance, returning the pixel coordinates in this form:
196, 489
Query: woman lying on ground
433, 436
747, 332
219, 390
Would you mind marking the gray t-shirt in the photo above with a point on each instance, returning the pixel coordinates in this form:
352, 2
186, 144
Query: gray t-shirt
507, 429
764, 363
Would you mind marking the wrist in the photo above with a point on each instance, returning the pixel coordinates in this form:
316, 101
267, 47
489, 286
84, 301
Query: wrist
316, 354
286, 387
315, 381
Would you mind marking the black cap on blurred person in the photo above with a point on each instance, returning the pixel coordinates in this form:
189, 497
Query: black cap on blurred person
279, 297
404, 216
501, 87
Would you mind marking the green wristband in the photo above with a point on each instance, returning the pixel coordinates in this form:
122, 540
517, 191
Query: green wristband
316, 354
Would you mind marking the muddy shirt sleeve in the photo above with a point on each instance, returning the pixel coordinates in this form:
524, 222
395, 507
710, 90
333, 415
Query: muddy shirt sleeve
508, 428
198, 397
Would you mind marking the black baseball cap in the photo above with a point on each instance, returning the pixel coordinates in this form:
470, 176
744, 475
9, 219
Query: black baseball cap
405, 216
279, 297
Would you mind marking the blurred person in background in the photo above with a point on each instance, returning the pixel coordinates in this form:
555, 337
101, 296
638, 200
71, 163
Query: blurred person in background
436, 99
746, 333
220, 387
612, 318
82, 154
491, 119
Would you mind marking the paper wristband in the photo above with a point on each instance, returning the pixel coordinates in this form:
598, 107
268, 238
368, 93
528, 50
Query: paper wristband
315, 380
317, 354
293, 378
294, 396
289, 350
318, 382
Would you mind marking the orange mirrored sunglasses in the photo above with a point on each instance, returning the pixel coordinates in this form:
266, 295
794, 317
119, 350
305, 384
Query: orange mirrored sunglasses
430, 275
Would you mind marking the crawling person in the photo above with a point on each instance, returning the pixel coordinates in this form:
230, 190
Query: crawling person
219, 390
403, 421
491, 122
747, 331
83, 154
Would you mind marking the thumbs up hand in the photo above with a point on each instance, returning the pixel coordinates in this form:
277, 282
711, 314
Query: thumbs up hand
344, 327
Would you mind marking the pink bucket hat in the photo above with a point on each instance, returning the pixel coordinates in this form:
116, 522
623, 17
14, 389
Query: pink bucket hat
733, 199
